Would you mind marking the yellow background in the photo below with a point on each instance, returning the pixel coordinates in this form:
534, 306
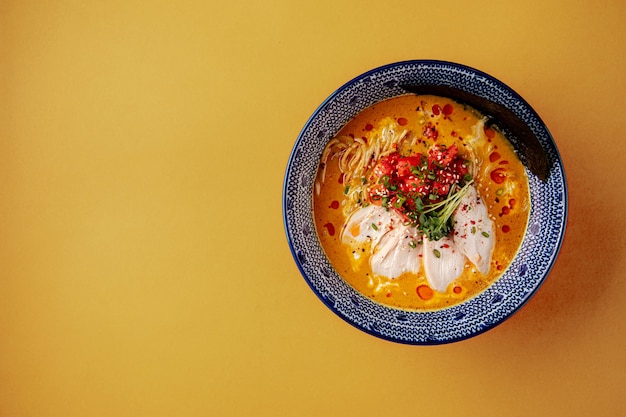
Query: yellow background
144, 269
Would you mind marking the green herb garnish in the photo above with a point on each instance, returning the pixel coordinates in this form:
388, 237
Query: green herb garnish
436, 219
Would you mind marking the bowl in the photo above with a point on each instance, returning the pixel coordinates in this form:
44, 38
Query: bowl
505, 296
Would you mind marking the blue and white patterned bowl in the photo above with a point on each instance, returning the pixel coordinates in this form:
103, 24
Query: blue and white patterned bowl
504, 297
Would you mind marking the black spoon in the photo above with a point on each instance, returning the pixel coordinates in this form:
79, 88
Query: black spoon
529, 149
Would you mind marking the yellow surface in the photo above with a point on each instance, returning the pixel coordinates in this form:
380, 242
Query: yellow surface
144, 269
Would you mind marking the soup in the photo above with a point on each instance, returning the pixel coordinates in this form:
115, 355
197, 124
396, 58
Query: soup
418, 204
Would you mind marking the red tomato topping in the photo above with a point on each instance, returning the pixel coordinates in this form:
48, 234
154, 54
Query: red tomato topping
398, 181
403, 166
441, 189
384, 167
443, 156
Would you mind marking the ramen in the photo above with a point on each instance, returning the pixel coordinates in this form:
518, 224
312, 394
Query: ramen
419, 204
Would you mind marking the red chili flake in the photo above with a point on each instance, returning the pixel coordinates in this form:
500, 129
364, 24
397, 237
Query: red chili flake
448, 109
506, 228
334, 204
341, 178
445, 246
490, 132
436, 109
494, 156
402, 121
369, 127
503, 162
512, 202
453, 134
388, 294
330, 228
505, 210
457, 289
430, 131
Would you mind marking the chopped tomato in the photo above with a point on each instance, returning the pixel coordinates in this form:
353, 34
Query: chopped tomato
411, 184
443, 156
403, 167
384, 167
398, 180
441, 189
459, 166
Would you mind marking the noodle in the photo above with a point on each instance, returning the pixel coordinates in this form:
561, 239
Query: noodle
356, 156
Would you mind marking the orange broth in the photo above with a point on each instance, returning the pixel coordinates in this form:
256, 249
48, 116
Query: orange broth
501, 182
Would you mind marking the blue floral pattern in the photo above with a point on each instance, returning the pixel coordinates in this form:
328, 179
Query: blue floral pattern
505, 296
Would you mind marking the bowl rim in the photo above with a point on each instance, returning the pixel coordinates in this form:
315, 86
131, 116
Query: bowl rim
330, 302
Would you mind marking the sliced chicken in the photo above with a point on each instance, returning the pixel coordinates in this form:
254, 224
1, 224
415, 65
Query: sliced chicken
395, 247
369, 224
443, 262
397, 253
474, 232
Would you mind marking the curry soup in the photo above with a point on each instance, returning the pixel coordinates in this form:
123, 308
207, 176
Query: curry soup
498, 176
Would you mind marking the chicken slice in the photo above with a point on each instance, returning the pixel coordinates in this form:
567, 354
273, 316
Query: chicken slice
443, 262
394, 246
369, 224
397, 252
474, 232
